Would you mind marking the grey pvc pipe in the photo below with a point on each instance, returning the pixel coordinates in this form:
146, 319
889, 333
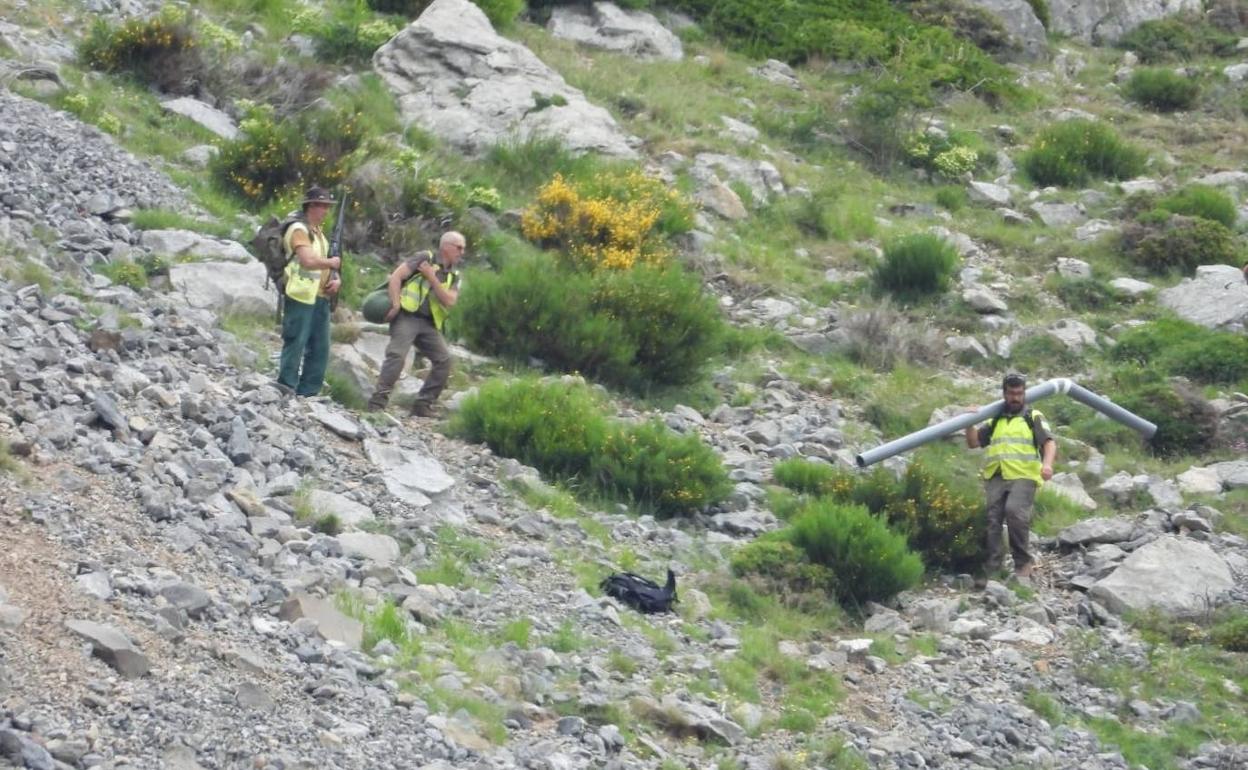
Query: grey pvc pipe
1035, 393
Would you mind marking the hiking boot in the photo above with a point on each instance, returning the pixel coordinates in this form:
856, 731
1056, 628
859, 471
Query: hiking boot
283, 388
422, 409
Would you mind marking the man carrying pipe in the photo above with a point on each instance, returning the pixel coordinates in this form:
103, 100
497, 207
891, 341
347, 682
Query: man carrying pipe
1019, 459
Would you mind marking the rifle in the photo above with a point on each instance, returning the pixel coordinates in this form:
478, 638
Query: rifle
335, 245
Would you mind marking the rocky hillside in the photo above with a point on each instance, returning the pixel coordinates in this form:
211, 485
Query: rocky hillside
196, 572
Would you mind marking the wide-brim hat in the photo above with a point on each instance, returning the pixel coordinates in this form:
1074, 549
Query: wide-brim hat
316, 194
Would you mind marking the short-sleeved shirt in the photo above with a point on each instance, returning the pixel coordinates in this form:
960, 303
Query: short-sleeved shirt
1039, 426
412, 265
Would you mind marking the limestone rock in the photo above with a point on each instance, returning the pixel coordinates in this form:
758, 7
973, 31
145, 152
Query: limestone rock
1199, 481
1069, 267
331, 624
349, 512
607, 26
112, 646
188, 244
1054, 214
1132, 287
1105, 21
1216, 297
1232, 473
1101, 530
1074, 334
1093, 229
983, 300
1177, 576
987, 192
381, 550
1027, 35
409, 476
205, 115
454, 76
223, 286
1070, 487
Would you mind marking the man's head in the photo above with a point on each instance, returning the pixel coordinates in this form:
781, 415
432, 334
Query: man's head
451, 248
1014, 391
317, 202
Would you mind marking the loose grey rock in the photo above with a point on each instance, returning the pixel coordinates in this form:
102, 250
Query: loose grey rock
205, 115
1176, 576
1216, 297
605, 25
112, 646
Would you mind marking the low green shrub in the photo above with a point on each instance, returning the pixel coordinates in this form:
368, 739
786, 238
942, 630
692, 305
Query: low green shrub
640, 328
501, 13
805, 476
1178, 244
972, 22
1176, 347
1084, 295
659, 470
785, 571
952, 198
940, 514
915, 266
561, 428
1202, 201
870, 561
160, 50
127, 274
1072, 152
1186, 423
351, 33
951, 156
1162, 90
1046, 356
272, 158
1231, 633
1177, 38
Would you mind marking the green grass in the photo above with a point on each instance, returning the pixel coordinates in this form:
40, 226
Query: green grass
517, 632
621, 663
344, 391
455, 555
1053, 513
566, 639
164, 219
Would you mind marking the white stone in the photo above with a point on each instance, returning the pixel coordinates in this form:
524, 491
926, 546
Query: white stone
987, 192
1216, 297
205, 115
348, 511
1199, 481
1071, 488
1058, 214
1074, 334
1132, 287
1177, 576
224, 286
1140, 185
1093, 229
982, 300
188, 244
607, 26
381, 550
454, 76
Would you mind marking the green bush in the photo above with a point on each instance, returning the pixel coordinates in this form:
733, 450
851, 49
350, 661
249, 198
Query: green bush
1176, 347
916, 266
1186, 423
126, 274
1179, 243
785, 571
162, 51
659, 470
805, 476
952, 198
271, 158
941, 515
558, 429
1202, 201
1087, 294
1231, 633
561, 429
1162, 90
1177, 38
976, 24
1072, 152
870, 561
501, 13
636, 328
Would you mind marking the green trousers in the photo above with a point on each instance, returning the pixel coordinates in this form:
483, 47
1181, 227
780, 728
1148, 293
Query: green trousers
305, 340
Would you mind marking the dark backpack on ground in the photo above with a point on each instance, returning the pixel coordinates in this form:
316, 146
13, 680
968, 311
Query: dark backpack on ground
639, 593
267, 246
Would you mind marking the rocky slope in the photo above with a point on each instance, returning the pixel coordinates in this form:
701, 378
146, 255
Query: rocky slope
168, 599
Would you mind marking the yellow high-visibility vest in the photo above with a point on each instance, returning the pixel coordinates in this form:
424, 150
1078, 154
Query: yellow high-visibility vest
414, 293
302, 285
1012, 449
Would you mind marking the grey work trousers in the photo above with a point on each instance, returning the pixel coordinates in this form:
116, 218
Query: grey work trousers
1009, 504
405, 330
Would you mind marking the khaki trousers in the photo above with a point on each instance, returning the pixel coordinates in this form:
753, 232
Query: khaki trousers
405, 330
1009, 504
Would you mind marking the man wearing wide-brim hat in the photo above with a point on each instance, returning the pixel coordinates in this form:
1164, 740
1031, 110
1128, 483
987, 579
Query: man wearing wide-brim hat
310, 283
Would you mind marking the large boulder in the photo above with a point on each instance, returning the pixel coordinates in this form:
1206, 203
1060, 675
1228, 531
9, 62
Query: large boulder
1105, 21
222, 286
607, 26
1176, 576
205, 115
453, 75
1215, 298
1026, 32
190, 245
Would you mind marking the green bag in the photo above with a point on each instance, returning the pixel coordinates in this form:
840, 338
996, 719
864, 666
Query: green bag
376, 305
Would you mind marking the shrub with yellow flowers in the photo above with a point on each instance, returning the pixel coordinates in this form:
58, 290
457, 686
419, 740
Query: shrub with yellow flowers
269, 156
616, 220
164, 50
941, 517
